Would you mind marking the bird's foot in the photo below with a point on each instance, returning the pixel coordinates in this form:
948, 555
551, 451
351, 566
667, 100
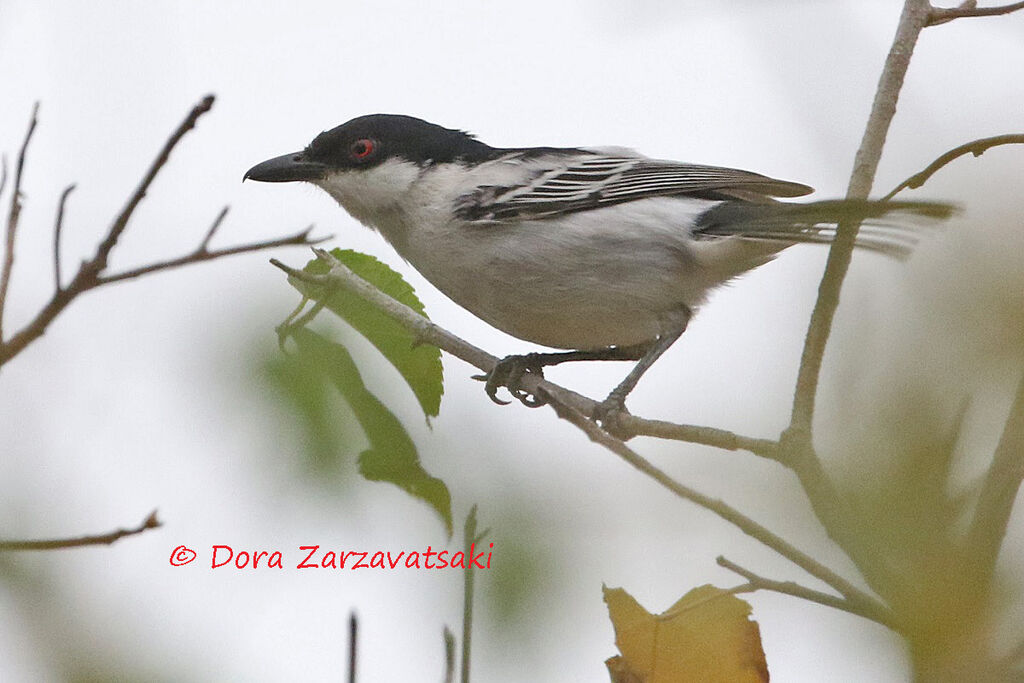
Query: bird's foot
509, 373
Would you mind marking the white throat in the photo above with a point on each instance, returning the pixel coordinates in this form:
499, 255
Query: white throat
375, 196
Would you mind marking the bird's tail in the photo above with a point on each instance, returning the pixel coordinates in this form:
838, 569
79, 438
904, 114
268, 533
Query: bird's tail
892, 228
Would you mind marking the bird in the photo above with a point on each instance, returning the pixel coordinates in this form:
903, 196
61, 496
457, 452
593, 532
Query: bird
599, 251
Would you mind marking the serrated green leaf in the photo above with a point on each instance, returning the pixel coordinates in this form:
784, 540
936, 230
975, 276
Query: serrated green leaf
392, 456
419, 364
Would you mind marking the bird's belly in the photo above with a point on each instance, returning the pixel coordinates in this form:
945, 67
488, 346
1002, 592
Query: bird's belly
557, 290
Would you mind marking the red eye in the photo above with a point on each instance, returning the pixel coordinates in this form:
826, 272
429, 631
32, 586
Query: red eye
363, 148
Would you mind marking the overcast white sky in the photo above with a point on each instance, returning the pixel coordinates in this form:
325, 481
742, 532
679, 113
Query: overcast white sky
145, 395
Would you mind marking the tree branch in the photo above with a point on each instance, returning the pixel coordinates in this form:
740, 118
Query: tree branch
914, 18
12, 218
89, 273
796, 441
469, 537
99, 261
756, 582
151, 522
201, 254
942, 15
56, 236
975, 147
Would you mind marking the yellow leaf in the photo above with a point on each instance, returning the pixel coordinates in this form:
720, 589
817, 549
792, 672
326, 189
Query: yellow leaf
706, 636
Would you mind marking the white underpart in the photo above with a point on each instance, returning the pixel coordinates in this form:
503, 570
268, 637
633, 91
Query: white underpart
619, 275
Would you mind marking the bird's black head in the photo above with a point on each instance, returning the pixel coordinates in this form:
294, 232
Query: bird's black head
369, 140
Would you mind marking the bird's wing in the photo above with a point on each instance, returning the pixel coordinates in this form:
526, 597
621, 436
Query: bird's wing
567, 183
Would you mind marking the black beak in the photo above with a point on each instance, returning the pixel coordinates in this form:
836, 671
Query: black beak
285, 169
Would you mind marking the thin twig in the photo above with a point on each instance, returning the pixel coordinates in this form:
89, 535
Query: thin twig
60, 300
89, 273
56, 236
201, 254
708, 436
353, 634
216, 226
975, 147
468, 539
12, 218
449, 656
430, 333
757, 582
151, 522
942, 15
99, 261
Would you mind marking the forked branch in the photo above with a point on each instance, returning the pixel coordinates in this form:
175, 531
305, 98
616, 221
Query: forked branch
90, 273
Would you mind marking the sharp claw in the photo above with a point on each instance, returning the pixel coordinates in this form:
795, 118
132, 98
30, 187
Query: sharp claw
509, 373
492, 392
536, 402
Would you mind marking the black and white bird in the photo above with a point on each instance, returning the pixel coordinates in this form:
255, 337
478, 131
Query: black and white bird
600, 250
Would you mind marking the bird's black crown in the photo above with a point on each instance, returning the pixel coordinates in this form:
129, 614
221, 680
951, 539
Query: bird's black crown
395, 136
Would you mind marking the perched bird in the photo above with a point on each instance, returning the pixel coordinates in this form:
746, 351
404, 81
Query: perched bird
600, 250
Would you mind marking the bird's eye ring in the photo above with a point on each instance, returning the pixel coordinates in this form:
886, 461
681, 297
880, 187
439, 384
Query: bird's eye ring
363, 148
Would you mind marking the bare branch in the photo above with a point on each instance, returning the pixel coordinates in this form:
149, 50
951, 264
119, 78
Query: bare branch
707, 436
796, 441
975, 147
914, 18
353, 640
56, 236
60, 300
942, 15
468, 539
757, 582
151, 522
201, 254
99, 261
12, 218
89, 275
216, 225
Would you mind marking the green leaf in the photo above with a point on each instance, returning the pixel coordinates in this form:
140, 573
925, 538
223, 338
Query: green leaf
419, 364
392, 456
298, 382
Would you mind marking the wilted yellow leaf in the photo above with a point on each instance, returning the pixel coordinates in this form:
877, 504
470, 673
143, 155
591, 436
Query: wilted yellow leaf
706, 636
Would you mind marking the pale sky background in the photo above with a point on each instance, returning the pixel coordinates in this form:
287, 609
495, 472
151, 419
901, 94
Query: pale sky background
145, 395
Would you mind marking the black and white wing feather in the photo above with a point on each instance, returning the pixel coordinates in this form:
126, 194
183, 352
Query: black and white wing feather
572, 183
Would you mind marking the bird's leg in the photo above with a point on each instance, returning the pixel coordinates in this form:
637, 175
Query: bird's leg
608, 410
510, 370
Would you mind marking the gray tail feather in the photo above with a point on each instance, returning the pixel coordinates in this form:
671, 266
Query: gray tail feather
891, 228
